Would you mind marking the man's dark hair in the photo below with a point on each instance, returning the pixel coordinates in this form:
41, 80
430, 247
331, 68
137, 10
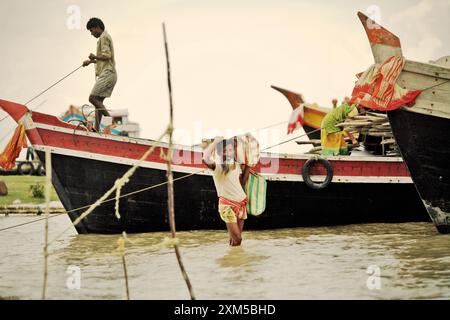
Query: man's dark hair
95, 22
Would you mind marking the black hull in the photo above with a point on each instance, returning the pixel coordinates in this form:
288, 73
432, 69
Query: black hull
80, 182
425, 146
312, 133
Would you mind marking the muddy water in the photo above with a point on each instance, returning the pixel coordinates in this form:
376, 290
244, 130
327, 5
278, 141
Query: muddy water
377, 261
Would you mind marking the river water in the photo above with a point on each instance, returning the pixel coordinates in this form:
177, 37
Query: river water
375, 261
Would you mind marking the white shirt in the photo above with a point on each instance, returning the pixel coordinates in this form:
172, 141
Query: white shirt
229, 185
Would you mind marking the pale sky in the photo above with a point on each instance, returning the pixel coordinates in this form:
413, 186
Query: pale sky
224, 56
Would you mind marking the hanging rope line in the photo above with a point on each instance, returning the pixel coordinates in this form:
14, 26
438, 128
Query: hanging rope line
289, 140
139, 191
41, 93
57, 82
126, 176
30, 222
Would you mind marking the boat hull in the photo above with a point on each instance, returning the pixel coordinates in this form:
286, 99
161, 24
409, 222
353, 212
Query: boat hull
425, 147
289, 203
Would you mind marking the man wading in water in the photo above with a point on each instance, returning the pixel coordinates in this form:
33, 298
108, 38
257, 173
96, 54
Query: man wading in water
229, 179
105, 69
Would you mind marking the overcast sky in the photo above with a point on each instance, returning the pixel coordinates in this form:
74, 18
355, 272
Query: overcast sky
224, 56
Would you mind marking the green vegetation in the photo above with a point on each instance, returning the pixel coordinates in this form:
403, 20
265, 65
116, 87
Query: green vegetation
19, 187
37, 190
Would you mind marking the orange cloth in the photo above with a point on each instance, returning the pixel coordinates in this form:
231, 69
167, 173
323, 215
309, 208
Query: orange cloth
239, 208
13, 148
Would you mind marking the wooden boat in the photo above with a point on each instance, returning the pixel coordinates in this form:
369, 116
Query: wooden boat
86, 165
421, 131
312, 113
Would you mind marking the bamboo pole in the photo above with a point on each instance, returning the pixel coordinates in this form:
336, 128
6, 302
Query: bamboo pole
48, 184
121, 249
170, 195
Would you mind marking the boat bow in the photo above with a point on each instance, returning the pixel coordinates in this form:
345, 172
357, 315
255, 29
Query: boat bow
15, 110
384, 43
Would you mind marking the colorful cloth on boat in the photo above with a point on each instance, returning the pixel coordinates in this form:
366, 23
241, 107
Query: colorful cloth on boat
255, 188
332, 137
296, 120
230, 211
377, 87
13, 148
104, 84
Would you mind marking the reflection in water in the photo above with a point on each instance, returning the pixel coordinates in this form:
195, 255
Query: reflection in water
239, 257
302, 263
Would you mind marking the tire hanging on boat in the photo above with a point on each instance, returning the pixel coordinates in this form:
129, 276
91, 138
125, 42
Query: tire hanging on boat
23, 170
307, 177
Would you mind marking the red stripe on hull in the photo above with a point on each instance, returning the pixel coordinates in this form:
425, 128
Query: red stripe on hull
193, 159
130, 150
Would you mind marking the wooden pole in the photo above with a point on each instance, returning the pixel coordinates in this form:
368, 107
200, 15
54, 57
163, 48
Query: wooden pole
121, 249
48, 185
170, 195
124, 263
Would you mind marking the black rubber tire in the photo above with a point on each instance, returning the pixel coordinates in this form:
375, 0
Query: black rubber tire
40, 171
23, 172
307, 178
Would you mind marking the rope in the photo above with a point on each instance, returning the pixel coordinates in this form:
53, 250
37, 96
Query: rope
41, 93
126, 176
30, 222
286, 141
434, 86
140, 190
63, 78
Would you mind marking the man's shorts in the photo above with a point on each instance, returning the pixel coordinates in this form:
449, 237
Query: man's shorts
227, 214
104, 84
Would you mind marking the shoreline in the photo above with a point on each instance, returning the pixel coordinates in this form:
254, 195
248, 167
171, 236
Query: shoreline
31, 209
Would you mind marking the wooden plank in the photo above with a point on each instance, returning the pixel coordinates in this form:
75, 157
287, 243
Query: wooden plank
431, 70
314, 142
427, 111
436, 89
433, 101
388, 141
353, 124
316, 149
436, 108
381, 115
444, 62
381, 134
414, 81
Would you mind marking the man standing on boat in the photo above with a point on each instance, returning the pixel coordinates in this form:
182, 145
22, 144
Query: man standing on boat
105, 69
229, 178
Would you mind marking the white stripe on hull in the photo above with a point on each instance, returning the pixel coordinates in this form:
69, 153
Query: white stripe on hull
196, 149
190, 170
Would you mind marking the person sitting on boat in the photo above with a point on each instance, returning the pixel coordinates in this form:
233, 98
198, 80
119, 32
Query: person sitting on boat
229, 178
332, 137
105, 69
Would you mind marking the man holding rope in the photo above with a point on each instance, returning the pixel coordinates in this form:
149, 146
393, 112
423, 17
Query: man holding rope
105, 69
